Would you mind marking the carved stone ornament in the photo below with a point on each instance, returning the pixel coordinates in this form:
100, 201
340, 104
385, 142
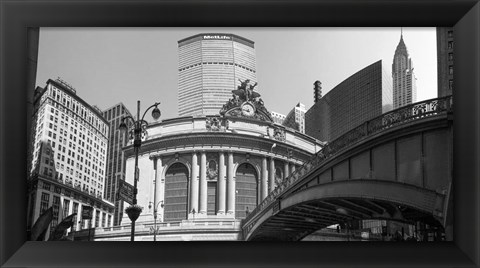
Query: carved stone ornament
213, 124
279, 134
212, 170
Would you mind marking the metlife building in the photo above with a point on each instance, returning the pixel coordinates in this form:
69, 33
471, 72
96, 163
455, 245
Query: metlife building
209, 68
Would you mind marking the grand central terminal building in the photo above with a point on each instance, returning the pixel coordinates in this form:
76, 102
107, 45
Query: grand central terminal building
203, 175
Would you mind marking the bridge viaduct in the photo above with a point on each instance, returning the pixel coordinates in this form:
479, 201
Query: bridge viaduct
397, 166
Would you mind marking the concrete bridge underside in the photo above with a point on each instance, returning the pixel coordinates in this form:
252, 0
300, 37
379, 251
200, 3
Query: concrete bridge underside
315, 208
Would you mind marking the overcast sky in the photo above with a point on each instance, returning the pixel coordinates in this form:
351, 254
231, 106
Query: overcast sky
111, 65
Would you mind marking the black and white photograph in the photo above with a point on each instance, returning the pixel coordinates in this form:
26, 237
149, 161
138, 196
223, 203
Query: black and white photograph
242, 134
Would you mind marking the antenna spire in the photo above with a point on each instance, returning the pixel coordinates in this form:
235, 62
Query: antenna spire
401, 32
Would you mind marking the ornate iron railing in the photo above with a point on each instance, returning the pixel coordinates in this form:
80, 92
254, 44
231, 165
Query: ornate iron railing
400, 116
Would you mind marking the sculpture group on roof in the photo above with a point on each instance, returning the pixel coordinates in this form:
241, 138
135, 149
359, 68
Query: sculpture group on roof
245, 93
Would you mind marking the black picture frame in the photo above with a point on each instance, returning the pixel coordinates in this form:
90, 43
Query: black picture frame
16, 95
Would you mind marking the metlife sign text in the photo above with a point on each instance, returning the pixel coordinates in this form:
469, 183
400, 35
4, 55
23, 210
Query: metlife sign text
216, 37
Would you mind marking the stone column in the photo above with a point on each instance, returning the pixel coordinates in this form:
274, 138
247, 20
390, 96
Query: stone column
222, 183
264, 178
271, 182
292, 167
203, 183
230, 185
194, 185
158, 182
286, 171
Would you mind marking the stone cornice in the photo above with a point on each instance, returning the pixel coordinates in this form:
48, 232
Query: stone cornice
87, 196
212, 141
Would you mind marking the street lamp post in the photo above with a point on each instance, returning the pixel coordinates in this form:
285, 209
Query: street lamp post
137, 128
155, 206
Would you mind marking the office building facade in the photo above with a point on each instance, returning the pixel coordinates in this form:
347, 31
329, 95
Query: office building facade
68, 151
277, 117
445, 61
296, 118
209, 68
361, 97
403, 77
115, 168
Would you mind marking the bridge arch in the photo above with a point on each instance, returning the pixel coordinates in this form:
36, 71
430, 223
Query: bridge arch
306, 211
407, 194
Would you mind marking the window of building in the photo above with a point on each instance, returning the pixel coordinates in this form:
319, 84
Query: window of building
66, 207
450, 34
211, 198
44, 202
450, 44
450, 69
103, 219
450, 84
450, 56
56, 209
97, 218
75, 210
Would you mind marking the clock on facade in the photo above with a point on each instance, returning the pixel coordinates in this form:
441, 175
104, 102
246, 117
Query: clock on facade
248, 109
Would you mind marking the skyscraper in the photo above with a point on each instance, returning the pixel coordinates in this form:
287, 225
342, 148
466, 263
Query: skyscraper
277, 117
209, 68
361, 97
445, 60
404, 81
68, 152
296, 118
115, 169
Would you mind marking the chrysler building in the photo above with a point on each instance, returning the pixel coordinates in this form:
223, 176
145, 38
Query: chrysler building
404, 81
